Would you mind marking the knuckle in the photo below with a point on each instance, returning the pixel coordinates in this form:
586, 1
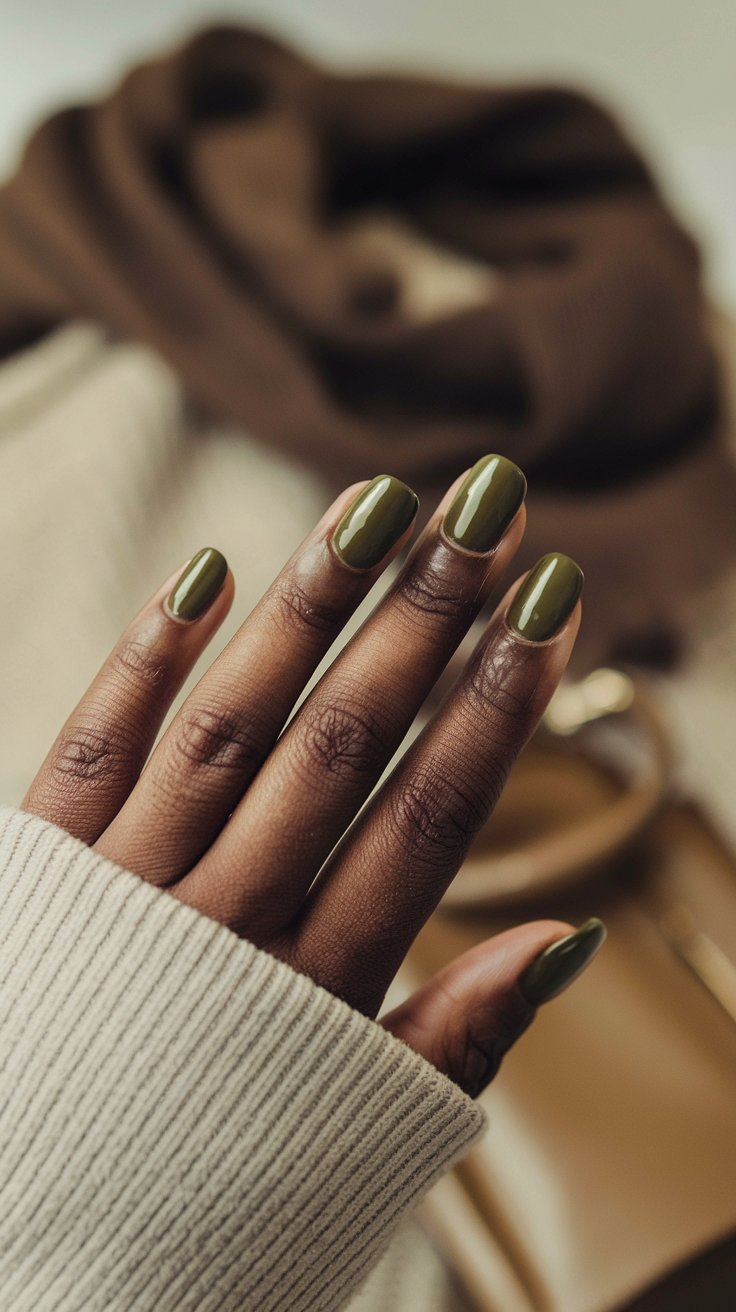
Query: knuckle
435, 818
431, 589
87, 755
212, 738
474, 1064
480, 1044
301, 608
498, 688
136, 663
341, 739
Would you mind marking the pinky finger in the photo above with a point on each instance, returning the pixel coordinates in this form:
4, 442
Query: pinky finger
465, 1019
102, 748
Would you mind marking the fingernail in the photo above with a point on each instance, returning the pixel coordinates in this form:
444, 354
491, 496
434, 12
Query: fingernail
378, 517
546, 598
485, 504
561, 962
198, 586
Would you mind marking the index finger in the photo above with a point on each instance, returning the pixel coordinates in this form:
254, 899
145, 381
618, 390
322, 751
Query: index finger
226, 728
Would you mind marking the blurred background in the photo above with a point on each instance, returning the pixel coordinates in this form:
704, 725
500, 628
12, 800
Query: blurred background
607, 1180
665, 66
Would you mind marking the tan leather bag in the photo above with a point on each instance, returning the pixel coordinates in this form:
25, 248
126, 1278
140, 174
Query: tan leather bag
608, 1177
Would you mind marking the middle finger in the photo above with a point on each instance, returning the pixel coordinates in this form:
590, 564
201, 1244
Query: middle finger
255, 876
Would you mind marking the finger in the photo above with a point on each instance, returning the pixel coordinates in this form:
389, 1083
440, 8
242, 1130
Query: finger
256, 875
99, 753
465, 1019
228, 725
395, 863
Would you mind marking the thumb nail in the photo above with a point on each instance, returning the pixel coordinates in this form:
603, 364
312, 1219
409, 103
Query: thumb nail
561, 963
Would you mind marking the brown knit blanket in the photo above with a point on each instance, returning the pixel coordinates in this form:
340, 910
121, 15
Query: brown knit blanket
206, 208
215, 206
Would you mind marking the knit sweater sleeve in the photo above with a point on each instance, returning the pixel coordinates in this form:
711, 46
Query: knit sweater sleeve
185, 1122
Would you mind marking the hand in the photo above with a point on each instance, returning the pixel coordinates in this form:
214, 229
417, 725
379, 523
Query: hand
255, 825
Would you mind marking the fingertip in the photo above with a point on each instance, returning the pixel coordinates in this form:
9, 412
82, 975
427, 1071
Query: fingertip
561, 962
467, 1017
484, 505
198, 586
375, 524
542, 603
483, 512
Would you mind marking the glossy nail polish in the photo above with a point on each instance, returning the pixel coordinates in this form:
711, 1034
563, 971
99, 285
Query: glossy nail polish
485, 504
561, 963
378, 517
546, 598
198, 585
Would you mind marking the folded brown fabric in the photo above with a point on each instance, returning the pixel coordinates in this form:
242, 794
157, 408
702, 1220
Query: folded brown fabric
209, 205
398, 274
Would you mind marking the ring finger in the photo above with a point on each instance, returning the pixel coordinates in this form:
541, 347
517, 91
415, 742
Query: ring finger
388, 875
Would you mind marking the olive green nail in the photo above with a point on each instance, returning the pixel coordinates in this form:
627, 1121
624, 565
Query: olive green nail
546, 597
561, 962
378, 517
199, 584
485, 505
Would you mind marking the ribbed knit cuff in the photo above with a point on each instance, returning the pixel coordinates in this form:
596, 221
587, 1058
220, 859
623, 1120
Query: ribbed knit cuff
185, 1122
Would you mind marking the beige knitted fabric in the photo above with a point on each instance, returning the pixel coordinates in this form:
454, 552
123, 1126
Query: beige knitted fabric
187, 1123
107, 484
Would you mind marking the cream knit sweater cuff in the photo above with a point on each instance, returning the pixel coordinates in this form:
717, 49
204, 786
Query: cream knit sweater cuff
185, 1122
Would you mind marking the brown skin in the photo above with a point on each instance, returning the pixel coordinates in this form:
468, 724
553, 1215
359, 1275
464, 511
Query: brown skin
238, 821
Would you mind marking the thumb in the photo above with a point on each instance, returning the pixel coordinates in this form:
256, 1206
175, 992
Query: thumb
466, 1018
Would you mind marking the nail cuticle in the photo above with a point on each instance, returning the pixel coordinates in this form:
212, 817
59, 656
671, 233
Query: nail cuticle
531, 642
459, 550
485, 505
